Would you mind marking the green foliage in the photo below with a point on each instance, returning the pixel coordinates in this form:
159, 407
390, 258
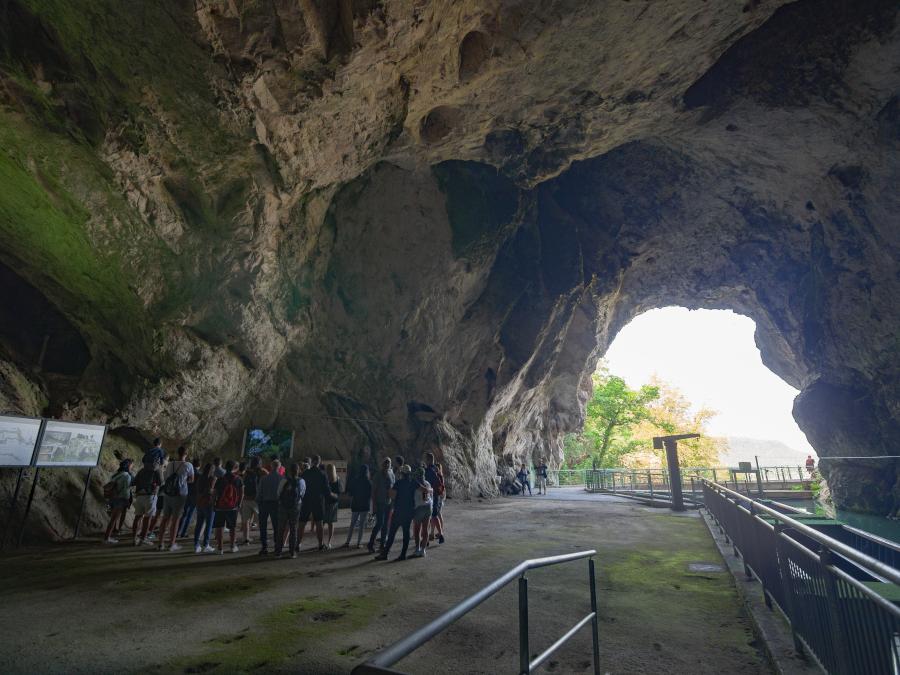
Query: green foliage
620, 423
613, 411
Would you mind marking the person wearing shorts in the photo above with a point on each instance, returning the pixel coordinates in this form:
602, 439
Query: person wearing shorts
434, 474
146, 489
177, 475
120, 486
229, 495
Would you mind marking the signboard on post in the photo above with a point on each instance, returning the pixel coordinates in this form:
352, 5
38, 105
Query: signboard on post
18, 440
70, 444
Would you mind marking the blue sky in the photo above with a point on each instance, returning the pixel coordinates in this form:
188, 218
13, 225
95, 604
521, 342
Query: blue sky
710, 355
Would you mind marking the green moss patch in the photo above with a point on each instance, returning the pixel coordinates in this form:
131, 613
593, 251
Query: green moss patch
284, 634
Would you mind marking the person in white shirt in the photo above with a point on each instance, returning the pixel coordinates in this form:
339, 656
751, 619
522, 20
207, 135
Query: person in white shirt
424, 496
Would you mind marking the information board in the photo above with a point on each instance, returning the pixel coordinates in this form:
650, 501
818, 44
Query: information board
268, 443
18, 440
70, 444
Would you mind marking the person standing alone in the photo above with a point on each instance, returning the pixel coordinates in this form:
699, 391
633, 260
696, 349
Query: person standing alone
541, 472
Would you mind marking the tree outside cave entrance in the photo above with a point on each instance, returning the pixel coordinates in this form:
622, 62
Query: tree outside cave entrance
673, 370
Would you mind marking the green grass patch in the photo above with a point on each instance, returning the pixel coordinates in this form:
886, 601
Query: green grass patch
284, 634
216, 590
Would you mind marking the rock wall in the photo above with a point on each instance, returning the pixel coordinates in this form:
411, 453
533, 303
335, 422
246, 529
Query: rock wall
397, 226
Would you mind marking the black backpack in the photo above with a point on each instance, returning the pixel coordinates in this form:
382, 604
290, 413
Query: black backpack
171, 487
290, 495
144, 481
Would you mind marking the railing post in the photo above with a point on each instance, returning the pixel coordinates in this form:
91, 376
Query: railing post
595, 624
834, 614
524, 654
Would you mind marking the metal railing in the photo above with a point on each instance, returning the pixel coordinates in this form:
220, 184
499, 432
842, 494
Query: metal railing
840, 602
382, 662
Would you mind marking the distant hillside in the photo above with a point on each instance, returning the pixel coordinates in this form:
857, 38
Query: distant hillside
770, 453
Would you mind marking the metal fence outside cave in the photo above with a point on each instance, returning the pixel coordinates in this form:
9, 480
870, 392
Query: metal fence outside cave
842, 605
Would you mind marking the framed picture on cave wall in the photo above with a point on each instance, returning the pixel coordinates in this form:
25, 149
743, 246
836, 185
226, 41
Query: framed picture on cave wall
70, 444
269, 443
18, 440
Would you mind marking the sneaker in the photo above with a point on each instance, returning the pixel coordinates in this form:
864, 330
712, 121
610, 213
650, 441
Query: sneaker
110, 540
148, 542
220, 551
175, 547
247, 542
401, 557
198, 549
345, 545
264, 551
234, 548
371, 548
293, 555
151, 536
424, 550
137, 541
418, 554
161, 547
440, 539
209, 549
381, 556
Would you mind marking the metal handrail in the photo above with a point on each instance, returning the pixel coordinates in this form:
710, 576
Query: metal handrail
833, 545
382, 661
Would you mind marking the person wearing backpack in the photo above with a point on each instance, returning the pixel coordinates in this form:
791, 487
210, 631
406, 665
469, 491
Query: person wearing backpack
177, 475
290, 496
229, 495
146, 488
434, 474
250, 507
117, 491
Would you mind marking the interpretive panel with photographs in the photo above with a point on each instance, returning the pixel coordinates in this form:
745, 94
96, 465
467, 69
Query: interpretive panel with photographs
18, 439
268, 443
70, 444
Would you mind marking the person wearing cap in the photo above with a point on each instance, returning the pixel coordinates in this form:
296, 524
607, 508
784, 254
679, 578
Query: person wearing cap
422, 512
403, 496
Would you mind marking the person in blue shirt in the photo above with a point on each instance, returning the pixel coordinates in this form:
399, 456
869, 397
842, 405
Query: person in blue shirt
403, 496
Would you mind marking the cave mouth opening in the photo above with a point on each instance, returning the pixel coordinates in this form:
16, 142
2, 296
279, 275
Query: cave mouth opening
711, 357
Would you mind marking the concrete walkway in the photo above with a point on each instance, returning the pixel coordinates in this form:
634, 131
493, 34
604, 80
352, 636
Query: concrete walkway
90, 608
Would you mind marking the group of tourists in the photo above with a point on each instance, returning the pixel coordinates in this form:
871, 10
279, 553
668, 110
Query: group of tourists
167, 495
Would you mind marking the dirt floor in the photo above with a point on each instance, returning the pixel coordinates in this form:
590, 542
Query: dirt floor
90, 608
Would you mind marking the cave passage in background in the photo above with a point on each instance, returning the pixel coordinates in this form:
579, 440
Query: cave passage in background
711, 356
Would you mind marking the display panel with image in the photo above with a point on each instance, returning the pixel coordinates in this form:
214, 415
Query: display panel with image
70, 444
18, 438
268, 443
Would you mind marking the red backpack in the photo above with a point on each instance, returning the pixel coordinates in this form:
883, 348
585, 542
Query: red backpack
229, 497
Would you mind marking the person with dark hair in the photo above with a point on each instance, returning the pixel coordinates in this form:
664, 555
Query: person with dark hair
217, 467
190, 506
250, 507
267, 499
117, 491
541, 473
424, 498
522, 477
146, 485
177, 475
313, 507
360, 491
382, 485
332, 502
404, 497
205, 494
155, 455
434, 474
229, 492
290, 496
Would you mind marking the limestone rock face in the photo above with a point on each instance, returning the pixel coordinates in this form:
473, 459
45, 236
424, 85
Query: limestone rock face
416, 225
